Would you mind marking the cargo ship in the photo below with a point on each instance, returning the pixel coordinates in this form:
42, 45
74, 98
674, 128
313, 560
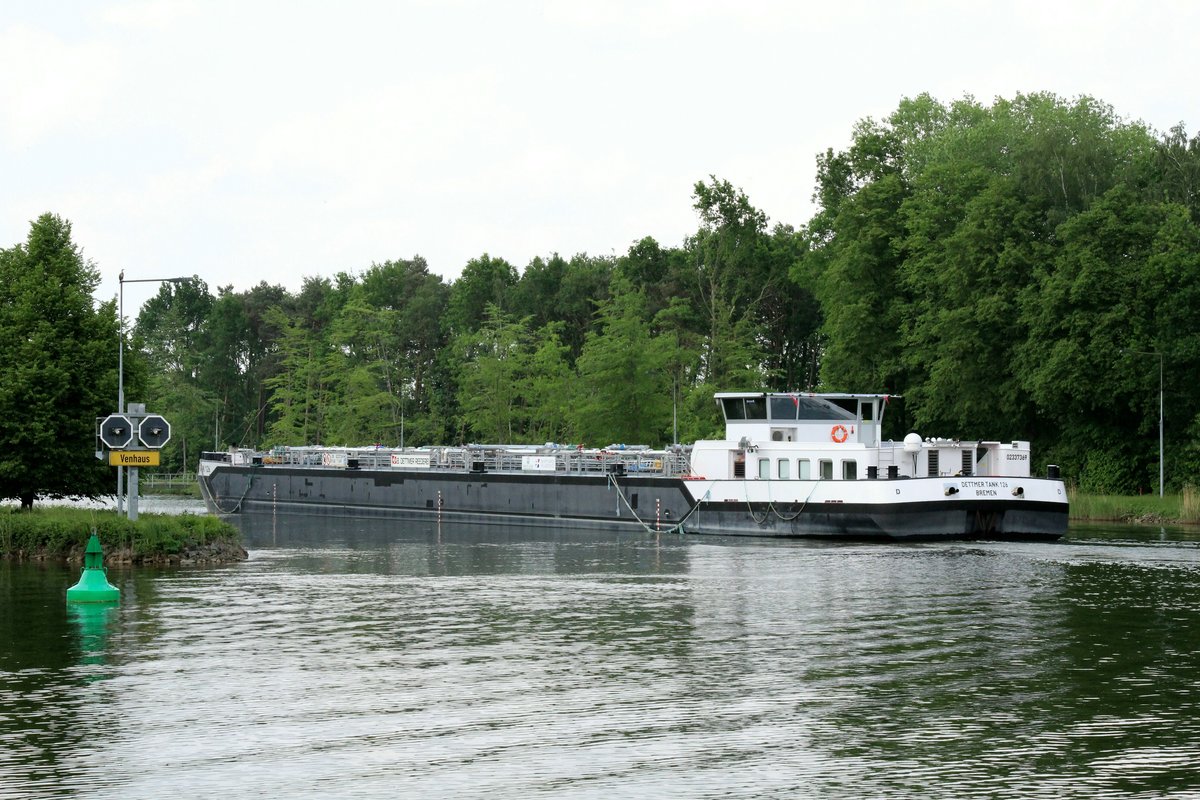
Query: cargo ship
790, 465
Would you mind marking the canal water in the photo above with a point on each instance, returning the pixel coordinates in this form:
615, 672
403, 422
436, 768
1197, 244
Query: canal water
383, 660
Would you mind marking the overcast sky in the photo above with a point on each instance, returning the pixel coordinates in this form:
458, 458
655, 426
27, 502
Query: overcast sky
245, 141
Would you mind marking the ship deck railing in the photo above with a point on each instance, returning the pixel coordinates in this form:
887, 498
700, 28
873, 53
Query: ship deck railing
479, 459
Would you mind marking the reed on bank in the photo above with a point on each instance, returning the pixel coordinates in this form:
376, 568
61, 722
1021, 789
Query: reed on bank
1182, 508
50, 533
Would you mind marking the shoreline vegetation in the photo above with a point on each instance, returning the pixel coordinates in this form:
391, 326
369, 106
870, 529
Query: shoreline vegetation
50, 534
1148, 509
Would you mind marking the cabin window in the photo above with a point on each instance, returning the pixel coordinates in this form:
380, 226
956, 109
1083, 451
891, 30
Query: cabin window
849, 470
933, 467
734, 408
784, 469
803, 469
756, 408
826, 469
764, 468
816, 408
784, 408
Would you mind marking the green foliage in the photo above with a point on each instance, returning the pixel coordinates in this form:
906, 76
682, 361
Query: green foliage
550, 381
299, 391
55, 532
494, 363
1135, 508
624, 389
170, 334
57, 367
514, 383
484, 281
730, 275
1002, 265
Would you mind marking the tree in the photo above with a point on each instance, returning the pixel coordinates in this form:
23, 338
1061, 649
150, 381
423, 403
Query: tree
484, 281
494, 364
550, 381
170, 334
366, 376
624, 389
300, 390
57, 368
938, 248
731, 275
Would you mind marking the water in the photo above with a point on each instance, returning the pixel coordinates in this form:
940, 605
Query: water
377, 661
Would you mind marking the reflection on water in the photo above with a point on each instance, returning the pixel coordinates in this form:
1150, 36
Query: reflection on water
378, 659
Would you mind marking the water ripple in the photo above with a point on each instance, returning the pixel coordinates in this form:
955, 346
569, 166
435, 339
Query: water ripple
573, 666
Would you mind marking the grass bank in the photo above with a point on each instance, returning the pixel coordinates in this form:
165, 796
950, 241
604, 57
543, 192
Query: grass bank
62, 533
1181, 509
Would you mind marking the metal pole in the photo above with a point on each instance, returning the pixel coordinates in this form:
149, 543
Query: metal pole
1160, 425
133, 494
674, 409
121, 381
1161, 451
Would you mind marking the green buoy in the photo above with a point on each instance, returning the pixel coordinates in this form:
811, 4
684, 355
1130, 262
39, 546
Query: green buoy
93, 586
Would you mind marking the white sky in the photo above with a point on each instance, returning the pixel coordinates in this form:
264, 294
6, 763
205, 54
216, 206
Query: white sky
245, 141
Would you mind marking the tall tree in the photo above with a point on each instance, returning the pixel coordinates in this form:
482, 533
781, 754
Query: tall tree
58, 370
731, 276
484, 281
494, 365
170, 334
624, 389
300, 391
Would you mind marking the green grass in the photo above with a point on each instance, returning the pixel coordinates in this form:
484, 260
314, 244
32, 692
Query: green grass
56, 532
1173, 508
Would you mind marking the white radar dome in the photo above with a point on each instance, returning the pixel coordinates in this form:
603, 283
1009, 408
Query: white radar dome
912, 443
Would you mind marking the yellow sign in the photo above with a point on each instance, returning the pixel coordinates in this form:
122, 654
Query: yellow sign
133, 458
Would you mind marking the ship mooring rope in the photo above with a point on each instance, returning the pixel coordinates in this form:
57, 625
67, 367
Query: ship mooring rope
238, 505
676, 528
771, 504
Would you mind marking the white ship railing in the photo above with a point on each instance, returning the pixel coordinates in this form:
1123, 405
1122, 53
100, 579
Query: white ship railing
472, 458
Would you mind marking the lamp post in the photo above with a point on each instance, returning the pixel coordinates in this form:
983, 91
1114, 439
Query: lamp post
1160, 415
121, 281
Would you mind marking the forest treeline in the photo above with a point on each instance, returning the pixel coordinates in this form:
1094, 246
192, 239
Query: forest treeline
1015, 270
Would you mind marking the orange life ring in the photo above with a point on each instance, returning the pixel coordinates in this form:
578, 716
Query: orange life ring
839, 433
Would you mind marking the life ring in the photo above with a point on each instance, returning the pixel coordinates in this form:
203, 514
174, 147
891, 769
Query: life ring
839, 433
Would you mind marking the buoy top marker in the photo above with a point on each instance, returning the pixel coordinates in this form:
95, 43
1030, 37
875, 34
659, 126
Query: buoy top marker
93, 586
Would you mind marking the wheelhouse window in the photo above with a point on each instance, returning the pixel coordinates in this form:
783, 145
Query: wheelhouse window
756, 408
826, 469
734, 408
784, 408
849, 470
